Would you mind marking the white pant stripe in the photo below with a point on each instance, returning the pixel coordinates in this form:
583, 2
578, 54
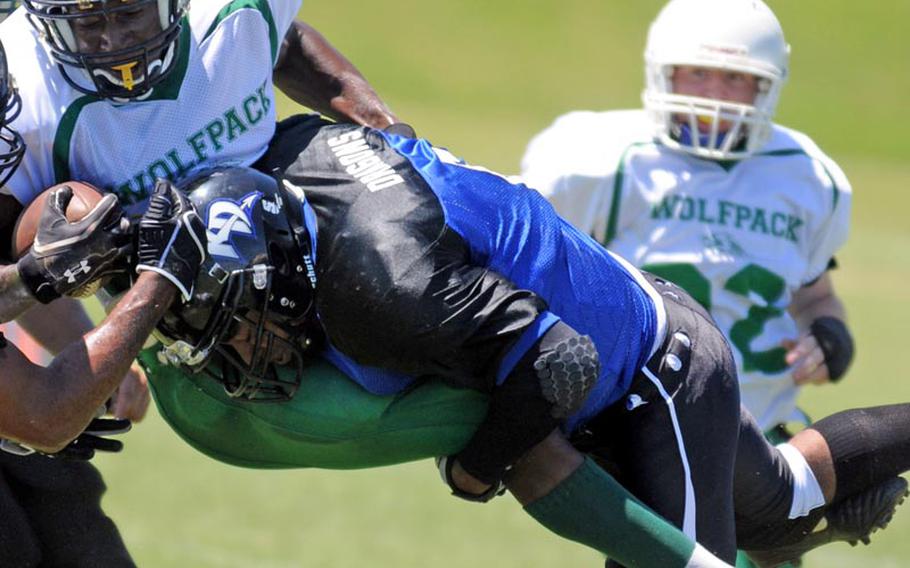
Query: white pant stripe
689, 510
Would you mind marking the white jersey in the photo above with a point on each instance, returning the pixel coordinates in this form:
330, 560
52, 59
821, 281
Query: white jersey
741, 237
217, 106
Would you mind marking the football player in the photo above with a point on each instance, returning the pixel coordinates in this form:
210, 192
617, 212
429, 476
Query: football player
702, 188
171, 90
187, 91
51, 507
562, 335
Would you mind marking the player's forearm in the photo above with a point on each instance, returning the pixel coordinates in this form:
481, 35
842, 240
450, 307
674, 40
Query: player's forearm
827, 307
816, 301
313, 73
807, 310
84, 375
15, 298
57, 324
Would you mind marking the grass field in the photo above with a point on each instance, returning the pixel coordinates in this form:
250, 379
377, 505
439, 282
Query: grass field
481, 77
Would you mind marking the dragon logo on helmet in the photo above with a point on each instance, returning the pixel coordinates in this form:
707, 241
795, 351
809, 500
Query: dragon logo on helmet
257, 277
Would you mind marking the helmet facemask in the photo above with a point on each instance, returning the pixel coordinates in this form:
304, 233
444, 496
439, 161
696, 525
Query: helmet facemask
259, 283
72, 28
255, 378
734, 130
12, 146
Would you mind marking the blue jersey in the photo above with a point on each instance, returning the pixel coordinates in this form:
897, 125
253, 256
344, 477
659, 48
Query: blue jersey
428, 266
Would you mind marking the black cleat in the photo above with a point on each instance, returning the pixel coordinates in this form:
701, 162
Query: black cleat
852, 520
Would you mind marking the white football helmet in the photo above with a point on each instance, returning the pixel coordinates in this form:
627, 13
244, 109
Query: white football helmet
731, 35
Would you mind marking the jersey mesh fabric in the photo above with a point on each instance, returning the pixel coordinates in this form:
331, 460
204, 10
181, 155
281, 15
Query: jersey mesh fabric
331, 423
515, 232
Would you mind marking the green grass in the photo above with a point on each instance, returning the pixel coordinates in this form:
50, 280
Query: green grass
481, 77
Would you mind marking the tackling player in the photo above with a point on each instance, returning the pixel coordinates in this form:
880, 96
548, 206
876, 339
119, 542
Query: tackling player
702, 188
456, 266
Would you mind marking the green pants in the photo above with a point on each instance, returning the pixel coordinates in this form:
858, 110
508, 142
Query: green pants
330, 423
333, 423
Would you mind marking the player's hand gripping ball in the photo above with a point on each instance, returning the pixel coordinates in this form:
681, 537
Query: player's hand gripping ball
83, 241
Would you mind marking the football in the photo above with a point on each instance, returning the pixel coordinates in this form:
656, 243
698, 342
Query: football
85, 197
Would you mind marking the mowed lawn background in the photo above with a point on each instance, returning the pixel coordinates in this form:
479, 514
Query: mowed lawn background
480, 77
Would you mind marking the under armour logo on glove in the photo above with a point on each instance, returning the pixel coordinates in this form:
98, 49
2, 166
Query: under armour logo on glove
81, 268
65, 256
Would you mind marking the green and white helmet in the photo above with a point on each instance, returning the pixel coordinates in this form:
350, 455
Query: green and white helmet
731, 35
110, 75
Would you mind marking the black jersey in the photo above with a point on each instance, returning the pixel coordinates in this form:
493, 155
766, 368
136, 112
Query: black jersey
427, 266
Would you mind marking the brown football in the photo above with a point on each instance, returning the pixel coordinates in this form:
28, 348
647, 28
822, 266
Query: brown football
85, 197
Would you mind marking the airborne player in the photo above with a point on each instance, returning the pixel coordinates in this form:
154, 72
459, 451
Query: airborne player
456, 261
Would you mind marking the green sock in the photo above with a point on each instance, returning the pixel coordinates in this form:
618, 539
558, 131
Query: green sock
591, 508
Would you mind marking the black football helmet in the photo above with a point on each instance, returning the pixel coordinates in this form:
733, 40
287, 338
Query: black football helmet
110, 75
12, 147
259, 273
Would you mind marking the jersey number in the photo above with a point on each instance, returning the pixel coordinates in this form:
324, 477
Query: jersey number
752, 279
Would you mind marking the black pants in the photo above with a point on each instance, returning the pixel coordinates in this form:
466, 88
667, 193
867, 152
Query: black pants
50, 516
672, 439
680, 442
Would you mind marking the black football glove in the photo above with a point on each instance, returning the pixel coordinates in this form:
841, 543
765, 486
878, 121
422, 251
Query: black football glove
92, 439
66, 256
445, 464
171, 238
